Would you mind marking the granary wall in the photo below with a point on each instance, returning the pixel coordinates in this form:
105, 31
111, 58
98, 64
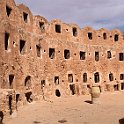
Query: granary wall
41, 59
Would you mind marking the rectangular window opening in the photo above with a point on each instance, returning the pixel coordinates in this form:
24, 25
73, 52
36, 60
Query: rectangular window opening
56, 80
38, 49
96, 77
116, 87
72, 89
104, 36
43, 82
122, 86
121, 76
8, 10
17, 98
70, 78
58, 28
109, 55
111, 77
6, 40
51, 53
74, 32
96, 56
85, 77
90, 35
22, 47
116, 37
11, 78
121, 56
42, 26
66, 54
25, 17
82, 55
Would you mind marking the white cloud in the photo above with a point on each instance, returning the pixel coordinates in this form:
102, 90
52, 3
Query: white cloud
81, 12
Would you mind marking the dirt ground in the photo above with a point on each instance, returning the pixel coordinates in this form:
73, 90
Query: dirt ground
73, 110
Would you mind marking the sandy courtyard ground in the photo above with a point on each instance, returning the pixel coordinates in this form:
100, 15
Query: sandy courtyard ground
73, 110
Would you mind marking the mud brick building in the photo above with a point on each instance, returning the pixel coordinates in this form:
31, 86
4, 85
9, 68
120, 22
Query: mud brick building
41, 59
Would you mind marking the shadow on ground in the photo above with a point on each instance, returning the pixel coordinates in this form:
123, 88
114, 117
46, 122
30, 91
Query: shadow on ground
121, 121
62, 121
36, 122
88, 101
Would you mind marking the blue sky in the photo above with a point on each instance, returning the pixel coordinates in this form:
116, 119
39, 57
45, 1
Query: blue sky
96, 13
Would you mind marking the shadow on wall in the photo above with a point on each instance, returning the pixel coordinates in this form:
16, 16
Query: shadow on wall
1, 117
121, 121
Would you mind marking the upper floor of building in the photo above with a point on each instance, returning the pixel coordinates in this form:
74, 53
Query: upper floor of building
21, 17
